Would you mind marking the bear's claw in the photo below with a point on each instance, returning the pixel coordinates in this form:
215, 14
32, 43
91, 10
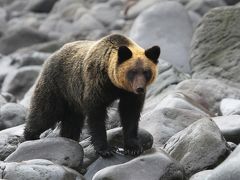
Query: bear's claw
134, 148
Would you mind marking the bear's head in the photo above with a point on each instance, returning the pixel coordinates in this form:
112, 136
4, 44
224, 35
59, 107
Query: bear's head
136, 68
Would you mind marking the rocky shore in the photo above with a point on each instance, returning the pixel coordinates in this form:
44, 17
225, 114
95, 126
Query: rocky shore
190, 124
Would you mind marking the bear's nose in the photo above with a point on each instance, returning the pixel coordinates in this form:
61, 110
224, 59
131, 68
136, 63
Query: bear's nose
140, 90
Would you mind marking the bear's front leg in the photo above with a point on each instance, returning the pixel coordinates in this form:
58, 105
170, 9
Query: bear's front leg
96, 123
130, 107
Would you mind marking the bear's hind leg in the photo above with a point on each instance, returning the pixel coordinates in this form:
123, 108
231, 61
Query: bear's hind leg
45, 111
72, 125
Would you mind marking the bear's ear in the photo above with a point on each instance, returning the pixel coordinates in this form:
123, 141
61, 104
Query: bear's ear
153, 53
124, 53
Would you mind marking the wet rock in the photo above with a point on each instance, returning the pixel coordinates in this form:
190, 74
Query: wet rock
200, 146
229, 106
173, 24
155, 165
19, 38
229, 126
211, 91
59, 150
12, 114
215, 45
9, 140
21, 80
37, 169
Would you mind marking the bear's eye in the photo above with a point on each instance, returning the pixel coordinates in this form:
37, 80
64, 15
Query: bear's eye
147, 74
131, 74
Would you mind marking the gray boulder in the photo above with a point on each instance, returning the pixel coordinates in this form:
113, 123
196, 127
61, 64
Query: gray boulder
33, 58
203, 6
210, 91
200, 146
105, 13
5, 2
167, 76
115, 139
202, 175
7, 65
21, 37
165, 122
16, 7
229, 127
138, 6
101, 163
229, 106
169, 26
63, 4
21, 80
24, 20
41, 6
37, 169
27, 97
59, 150
195, 18
179, 100
151, 166
88, 24
215, 45
12, 114
9, 140
228, 170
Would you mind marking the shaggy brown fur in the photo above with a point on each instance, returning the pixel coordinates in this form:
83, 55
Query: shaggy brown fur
82, 79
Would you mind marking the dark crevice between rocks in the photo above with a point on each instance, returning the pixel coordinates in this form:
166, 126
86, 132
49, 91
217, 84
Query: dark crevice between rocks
3, 171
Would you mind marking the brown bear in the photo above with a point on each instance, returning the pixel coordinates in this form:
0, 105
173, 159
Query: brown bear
82, 79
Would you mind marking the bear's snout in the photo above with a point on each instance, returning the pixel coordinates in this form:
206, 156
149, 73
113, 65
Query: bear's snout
139, 84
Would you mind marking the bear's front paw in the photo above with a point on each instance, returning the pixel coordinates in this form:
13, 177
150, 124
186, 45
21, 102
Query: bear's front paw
106, 152
133, 147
